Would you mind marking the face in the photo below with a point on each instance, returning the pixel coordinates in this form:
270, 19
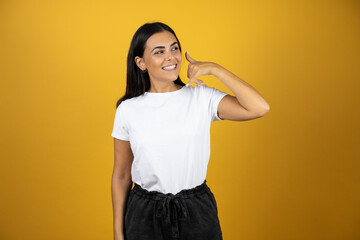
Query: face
162, 57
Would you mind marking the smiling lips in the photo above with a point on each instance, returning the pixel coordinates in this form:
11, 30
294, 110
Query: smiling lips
169, 67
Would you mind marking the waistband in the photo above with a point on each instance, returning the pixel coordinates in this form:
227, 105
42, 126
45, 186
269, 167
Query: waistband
171, 206
155, 195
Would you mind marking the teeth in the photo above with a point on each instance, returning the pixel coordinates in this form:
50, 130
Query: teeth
170, 67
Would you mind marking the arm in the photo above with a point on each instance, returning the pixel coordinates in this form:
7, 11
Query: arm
247, 103
121, 184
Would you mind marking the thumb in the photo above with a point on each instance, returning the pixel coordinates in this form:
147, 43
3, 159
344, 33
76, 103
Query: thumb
191, 60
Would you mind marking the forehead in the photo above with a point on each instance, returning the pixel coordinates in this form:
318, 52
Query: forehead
164, 38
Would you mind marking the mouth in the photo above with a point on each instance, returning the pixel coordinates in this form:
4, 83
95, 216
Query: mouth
170, 67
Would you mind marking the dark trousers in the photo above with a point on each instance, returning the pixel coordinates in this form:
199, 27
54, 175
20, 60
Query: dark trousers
191, 214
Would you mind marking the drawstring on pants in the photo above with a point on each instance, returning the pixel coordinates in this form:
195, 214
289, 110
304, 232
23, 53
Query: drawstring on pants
172, 205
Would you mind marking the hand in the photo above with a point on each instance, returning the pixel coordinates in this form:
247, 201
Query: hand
197, 69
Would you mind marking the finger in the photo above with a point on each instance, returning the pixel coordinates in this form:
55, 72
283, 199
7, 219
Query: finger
190, 59
190, 76
197, 81
191, 72
193, 78
188, 72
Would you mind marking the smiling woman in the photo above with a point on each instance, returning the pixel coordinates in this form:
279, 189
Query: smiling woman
144, 53
162, 140
162, 60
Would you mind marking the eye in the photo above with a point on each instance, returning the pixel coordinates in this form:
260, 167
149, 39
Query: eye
158, 52
176, 48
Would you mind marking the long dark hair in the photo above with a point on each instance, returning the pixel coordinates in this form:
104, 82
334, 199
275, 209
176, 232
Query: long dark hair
137, 81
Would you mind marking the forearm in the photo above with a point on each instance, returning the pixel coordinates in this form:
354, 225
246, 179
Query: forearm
247, 95
120, 188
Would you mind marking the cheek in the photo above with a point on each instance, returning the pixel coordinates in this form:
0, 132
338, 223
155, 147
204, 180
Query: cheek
179, 58
155, 62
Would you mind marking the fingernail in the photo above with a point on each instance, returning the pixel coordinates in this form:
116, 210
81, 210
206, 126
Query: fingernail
187, 84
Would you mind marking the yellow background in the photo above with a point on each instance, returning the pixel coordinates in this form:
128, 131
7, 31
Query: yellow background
293, 174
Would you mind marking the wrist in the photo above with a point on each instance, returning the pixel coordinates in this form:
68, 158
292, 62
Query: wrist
216, 70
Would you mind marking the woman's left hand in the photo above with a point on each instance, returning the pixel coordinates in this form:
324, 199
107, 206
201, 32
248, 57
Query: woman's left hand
197, 69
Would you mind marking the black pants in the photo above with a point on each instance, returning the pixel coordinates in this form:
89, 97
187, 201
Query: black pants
191, 214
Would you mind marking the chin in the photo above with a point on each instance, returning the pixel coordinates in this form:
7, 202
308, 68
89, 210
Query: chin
173, 78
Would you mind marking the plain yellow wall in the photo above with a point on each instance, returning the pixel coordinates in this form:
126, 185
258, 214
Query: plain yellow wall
293, 174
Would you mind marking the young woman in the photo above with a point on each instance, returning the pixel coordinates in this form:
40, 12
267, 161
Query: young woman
162, 140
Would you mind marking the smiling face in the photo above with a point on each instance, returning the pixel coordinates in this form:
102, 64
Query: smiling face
162, 57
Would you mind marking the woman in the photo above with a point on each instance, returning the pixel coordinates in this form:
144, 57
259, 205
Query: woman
162, 140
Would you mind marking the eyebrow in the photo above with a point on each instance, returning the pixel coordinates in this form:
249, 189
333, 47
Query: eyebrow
163, 46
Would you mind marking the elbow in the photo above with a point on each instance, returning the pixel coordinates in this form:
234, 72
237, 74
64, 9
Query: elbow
267, 108
122, 176
264, 110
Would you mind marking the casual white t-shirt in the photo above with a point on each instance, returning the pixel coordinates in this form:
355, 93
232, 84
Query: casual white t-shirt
169, 135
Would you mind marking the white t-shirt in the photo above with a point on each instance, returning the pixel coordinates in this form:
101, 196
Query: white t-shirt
169, 135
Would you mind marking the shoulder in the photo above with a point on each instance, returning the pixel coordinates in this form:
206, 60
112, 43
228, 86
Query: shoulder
123, 106
129, 102
203, 91
199, 88
206, 90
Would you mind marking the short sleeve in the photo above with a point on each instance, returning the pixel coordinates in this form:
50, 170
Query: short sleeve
214, 97
120, 127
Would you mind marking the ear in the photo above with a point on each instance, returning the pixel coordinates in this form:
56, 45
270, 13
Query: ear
140, 63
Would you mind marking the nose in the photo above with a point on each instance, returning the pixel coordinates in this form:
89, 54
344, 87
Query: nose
169, 56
